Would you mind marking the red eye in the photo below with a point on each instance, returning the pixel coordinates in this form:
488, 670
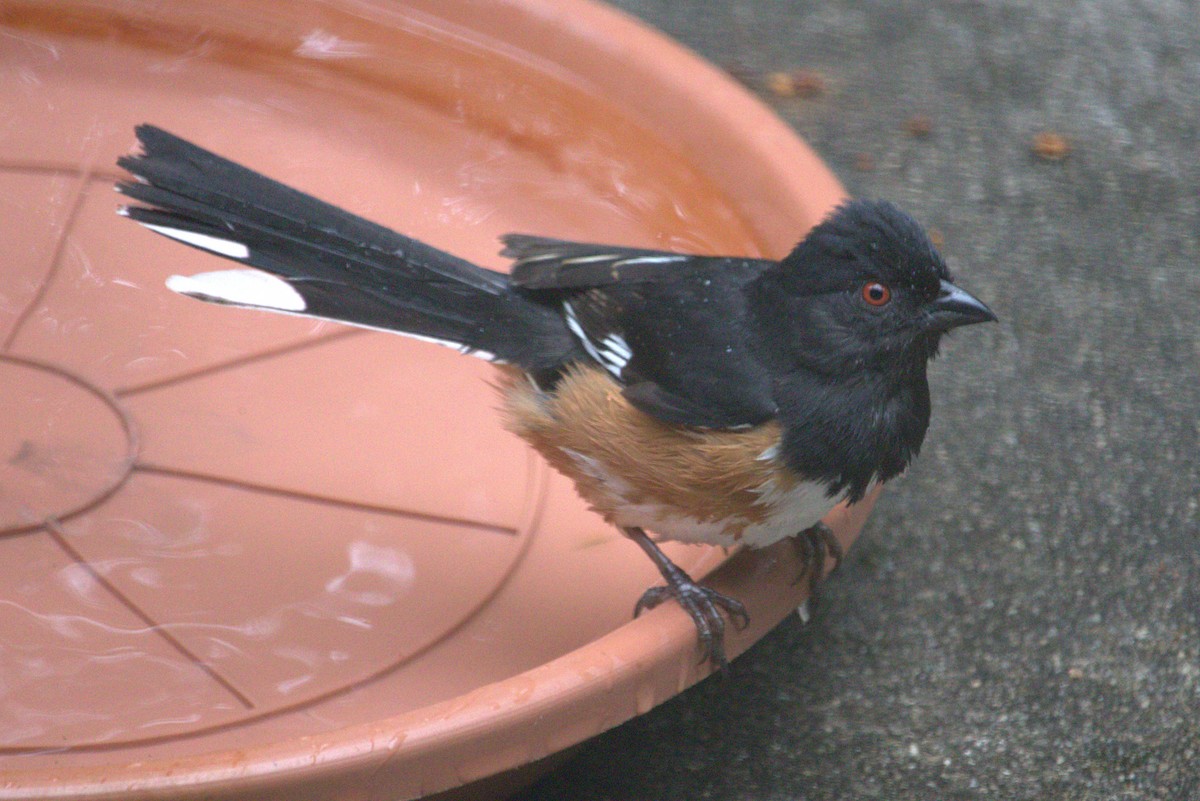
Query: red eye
876, 294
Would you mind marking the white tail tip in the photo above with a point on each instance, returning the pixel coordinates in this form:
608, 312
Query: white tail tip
215, 244
240, 288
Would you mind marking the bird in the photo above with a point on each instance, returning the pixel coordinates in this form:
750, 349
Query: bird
725, 400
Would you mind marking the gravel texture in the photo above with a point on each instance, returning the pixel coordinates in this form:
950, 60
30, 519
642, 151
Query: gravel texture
1021, 617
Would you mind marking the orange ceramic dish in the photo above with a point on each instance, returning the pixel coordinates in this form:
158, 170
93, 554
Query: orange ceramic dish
248, 556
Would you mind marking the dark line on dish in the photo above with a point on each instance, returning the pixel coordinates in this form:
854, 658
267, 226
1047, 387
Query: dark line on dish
541, 481
106, 175
132, 439
239, 361
56, 532
233, 483
76, 203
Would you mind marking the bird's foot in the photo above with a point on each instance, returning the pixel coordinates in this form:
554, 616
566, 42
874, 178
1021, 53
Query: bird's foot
814, 546
703, 605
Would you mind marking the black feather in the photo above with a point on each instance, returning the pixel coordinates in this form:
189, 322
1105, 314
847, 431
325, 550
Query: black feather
345, 267
556, 264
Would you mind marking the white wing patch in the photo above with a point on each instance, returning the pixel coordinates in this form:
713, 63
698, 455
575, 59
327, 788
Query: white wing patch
612, 352
615, 259
240, 288
615, 350
589, 259
666, 259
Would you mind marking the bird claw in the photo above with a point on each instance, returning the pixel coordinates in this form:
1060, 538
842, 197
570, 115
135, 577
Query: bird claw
814, 545
704, 606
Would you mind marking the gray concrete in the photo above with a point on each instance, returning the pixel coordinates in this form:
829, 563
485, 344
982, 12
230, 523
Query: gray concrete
1021, 618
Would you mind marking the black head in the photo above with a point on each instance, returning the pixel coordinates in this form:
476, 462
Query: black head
866, 289
846, 324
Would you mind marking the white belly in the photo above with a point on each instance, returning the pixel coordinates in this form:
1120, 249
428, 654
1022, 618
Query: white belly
785, 514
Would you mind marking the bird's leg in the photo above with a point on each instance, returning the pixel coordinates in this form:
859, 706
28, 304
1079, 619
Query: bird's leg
702, 604
814, 545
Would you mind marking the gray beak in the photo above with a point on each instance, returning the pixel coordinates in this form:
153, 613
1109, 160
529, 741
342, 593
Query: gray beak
955, 307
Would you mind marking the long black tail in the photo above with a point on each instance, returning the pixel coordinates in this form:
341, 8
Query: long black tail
327, 262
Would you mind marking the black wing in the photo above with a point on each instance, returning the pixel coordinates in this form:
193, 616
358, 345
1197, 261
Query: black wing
541, 263
671, 327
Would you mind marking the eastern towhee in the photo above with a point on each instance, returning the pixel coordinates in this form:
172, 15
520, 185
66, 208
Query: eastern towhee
710, 399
